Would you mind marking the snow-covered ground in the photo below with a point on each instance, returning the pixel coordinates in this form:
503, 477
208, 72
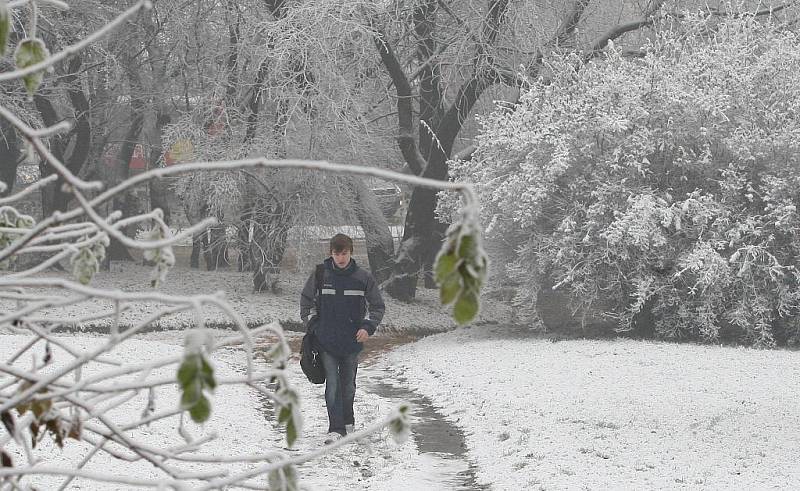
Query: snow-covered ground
537, 414
236, 417
424, 314
242, 421
613, 414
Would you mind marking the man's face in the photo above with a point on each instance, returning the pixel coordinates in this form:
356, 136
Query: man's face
341, 258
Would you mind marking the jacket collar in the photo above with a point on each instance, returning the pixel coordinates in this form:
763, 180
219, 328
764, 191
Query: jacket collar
348, 270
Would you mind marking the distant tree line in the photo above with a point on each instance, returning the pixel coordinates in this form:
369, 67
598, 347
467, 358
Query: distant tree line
384, 84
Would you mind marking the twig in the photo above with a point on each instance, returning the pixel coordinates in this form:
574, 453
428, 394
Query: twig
74, 48
28, 190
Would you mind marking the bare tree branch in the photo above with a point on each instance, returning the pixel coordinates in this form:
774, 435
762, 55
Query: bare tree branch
494, 19
483, 77
620, 29
405, 113
569, 24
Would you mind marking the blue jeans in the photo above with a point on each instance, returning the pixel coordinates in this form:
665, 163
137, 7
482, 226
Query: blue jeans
340, 389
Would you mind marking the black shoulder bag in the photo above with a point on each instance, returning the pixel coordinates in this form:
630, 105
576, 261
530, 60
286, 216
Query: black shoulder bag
310, 358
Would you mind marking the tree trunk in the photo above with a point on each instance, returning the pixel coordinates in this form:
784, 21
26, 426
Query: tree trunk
439, 125
380, 244
215, 247
197, 247
124, 203
49, 118
194, 215
157, 187
271, 224
9, 156
54, 197
422, 236
159, 193
83, 131
122, 170
159, 112
243, 237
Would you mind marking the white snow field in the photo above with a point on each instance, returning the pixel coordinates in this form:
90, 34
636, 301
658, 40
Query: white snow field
598, 414
578, 414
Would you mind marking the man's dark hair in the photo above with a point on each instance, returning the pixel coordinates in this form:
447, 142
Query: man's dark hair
341, 243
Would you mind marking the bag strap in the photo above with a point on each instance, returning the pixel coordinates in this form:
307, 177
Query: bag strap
319, 273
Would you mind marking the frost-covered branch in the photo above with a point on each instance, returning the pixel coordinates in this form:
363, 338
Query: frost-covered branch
74, 48
28, 190
89, 398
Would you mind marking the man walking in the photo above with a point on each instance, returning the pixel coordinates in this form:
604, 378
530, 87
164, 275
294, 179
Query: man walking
346, 294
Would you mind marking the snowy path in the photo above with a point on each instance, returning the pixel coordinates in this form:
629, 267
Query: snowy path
433, 458
440, 443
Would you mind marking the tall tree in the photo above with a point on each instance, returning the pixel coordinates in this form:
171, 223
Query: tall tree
302, 101
422, 52
328, 82
72, 148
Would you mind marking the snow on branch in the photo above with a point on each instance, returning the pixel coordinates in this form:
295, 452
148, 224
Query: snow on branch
88, 397
74, 48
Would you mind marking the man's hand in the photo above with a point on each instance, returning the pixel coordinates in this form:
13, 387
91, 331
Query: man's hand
362, 335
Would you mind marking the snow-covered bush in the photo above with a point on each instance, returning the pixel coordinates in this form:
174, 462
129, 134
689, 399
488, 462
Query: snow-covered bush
659, 190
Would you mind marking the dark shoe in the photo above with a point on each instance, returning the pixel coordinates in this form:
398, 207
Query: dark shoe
332, 437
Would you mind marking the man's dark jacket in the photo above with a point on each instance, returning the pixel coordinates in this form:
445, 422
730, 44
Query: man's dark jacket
347, 295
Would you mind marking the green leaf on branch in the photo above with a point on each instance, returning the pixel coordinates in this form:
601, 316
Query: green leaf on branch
191, 394
291, 432
11, 218
187, 372
460, 271
201, 410
284, 414
25, 221
207, 374
40, 407
449, 290
466, 307
283, 479
196, 375
30, 52
400, 426
466, 249
5, 27
472, 284
44, 414
289, 413
84, 265
445, 266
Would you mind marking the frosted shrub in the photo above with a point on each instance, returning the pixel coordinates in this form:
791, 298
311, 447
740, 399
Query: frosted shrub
657, 192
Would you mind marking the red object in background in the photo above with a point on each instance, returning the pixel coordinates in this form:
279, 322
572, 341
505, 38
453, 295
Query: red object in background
168, 158
217, 125
137, 161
